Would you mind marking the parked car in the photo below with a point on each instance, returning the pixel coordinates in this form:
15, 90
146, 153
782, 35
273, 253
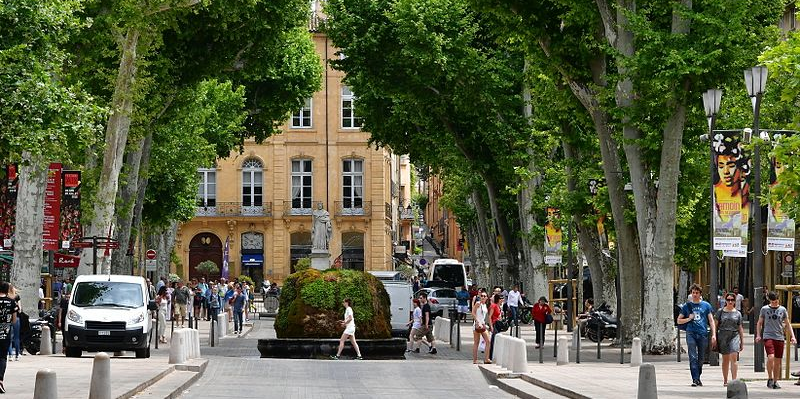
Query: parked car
440, 299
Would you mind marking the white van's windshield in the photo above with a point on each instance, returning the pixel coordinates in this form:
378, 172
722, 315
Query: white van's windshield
108, 293
451, 273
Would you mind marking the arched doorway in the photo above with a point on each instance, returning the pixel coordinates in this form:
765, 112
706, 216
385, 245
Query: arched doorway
205, 246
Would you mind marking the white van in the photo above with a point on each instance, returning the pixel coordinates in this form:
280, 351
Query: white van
447, 273
400, 296
108, 313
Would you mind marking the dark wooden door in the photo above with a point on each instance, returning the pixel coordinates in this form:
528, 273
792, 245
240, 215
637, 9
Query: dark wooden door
203, 247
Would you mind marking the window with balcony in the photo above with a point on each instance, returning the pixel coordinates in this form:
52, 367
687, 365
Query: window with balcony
349, 118
352, 184
301, 119
301, 184
252, 186
207, 190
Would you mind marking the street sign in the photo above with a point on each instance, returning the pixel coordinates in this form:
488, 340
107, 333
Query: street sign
787, 274
151, 254
423, 262
81, 244
150, 265
107, 245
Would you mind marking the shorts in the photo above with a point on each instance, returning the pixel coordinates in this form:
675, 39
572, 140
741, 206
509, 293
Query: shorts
463, 309
417, 334
350, 331
180, 309
774, 347
424, 332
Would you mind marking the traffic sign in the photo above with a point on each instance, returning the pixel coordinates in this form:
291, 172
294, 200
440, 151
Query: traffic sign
107, 245
150, 265
81, 244
423, 262
151, 254
787, 274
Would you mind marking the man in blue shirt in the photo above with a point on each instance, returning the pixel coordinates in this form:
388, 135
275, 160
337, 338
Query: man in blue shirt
697, 315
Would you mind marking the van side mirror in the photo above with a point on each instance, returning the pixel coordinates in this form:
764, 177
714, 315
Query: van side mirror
152, 305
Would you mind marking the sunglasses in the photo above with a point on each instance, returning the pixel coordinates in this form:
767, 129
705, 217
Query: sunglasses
730, 300
484, 296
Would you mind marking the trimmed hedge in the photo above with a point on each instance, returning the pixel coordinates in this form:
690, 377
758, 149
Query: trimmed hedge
311, 305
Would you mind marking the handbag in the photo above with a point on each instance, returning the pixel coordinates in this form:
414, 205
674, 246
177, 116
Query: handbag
501, 325
480, 329
548, 318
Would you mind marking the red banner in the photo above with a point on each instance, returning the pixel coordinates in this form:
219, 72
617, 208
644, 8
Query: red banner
52, 208
8, 204
64, 260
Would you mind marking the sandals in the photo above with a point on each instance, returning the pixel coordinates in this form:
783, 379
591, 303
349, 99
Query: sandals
487, 362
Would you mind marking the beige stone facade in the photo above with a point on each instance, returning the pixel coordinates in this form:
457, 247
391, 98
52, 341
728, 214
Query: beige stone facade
260, 201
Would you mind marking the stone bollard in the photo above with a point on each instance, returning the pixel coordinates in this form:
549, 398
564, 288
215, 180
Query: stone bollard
647, 382
46, 347
100, 386
177, 347
497, 351
563, 351
195, 344
636, 352
222, 325
519, 360
46, 387
737, 390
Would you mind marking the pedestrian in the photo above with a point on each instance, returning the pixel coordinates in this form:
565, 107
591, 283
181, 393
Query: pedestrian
15, 326
162, 300
494, 317
539, 312
513, 304
238, 303
479, 327
698, 315
739, 299
197, 302
181, 299
349, 324
730, 337
415, 323
462, 296
8, 315
61, 321
415, 283
213, 303
426, 328
721, 299
226, 300
775, 320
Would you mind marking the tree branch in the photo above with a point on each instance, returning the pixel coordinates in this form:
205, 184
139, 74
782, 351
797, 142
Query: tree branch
166, 6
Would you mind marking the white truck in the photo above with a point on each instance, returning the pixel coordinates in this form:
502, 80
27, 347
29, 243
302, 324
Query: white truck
400, 296
108, 313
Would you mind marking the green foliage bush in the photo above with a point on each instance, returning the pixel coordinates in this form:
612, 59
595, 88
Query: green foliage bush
311, 304
242, 278
302, 264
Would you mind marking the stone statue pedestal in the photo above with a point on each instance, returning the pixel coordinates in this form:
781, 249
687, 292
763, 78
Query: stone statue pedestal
320, 259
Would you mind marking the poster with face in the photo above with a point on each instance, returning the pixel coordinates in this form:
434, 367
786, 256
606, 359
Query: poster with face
731, 193
552, 237
780, 228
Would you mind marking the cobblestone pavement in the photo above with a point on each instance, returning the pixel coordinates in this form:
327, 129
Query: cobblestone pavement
235, 368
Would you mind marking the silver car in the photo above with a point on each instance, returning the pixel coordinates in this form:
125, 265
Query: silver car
441, 300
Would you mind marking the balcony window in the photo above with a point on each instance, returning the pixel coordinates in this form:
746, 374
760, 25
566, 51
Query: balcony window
252, 184
349, 118
301, 184
353, 183
207, 187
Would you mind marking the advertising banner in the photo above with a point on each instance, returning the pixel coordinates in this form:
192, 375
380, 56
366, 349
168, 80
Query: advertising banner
225, 258
71, 227
780, 228
552, 237
9, 180
52, 208
731, 192
64, 260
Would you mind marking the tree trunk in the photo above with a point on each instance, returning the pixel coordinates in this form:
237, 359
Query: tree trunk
477, 256
508, 252
119, 123
25, 273
120, 261
487, 240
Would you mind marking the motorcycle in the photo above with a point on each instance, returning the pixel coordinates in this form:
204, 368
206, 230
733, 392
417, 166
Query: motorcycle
601, 324
30, 331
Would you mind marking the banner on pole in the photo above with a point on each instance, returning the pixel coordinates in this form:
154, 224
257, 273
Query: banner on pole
731, 192
225, 258
71, 228
52, 209
780, 227
552, 237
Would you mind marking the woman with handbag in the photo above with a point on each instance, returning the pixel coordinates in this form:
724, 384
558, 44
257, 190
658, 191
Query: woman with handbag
542, 315
479, 327
494, 318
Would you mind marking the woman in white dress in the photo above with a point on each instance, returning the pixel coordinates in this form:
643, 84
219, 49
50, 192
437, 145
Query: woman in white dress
162, 301
349, 325
480, 328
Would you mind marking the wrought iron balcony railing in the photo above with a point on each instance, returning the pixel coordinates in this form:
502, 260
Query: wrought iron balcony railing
299, 207
234, 209
406, 214
353, 208
387, 212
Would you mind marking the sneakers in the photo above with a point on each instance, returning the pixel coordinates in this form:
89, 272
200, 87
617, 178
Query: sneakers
359, 358
775, 385
17, 358
408, 350
699, 383
334, 357
2, 388
694, 383
770, 382
432, 351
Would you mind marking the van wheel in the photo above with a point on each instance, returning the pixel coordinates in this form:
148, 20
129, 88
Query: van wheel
73, 352
143, 353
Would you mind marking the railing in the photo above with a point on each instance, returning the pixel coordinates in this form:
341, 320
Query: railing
406, 214
363, 209
388, 212
234, 209
291, 208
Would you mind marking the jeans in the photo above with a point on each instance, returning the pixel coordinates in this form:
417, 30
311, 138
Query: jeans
14, 338
697, 344
515, 314
237, 320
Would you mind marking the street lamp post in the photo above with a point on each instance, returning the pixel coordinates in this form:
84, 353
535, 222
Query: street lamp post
711, 103
756, 79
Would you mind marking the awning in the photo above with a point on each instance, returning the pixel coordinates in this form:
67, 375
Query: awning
253, 260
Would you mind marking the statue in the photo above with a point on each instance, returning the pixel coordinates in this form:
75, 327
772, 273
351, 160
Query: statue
321, 229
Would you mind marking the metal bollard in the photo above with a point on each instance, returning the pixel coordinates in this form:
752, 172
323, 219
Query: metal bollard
679, 345
555, 341
212, 331
576, 339
458, 334
599, 338
156, 331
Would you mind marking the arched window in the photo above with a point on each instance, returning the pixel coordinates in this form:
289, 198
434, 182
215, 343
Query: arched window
252, 185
